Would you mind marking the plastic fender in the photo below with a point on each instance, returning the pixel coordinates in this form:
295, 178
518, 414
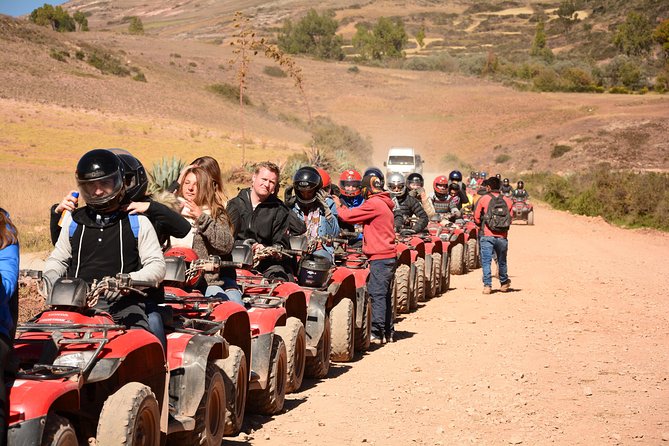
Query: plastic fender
360, 276
287, 288
224, 310
237, 328
261, 348
360, 296
74, 317
457, 237
26, 433
429, 247
316, 316
187, 381
130, 341
178, 292
265, 319
176, 346
296, 306
403, 254
419, 245
34, 399
342, 287
414, 256
428, 265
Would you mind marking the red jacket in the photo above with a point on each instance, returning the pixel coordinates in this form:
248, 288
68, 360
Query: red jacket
378, 228
482, 208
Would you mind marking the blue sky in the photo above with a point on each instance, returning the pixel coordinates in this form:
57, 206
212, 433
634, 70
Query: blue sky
21, 7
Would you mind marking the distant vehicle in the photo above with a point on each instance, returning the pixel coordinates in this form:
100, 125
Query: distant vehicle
403, 160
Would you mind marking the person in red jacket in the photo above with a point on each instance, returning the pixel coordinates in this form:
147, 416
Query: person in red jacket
378, 230
493, 240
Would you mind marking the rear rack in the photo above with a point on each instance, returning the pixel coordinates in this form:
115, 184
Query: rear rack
46, 371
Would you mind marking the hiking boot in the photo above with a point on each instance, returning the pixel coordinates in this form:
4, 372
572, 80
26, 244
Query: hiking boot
375, 340
505, 286
391, 338
487, 289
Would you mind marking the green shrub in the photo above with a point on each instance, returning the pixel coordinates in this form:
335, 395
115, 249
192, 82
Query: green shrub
313, 34
59, 55
354, 69
55, 17
332, 137
274, 71
80, 55
229, 92
139, 77
107, 64
619, 90
136, 26
435, 62
501, 159
560, 150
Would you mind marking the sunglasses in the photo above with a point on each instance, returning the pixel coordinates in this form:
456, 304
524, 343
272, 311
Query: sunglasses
396, 187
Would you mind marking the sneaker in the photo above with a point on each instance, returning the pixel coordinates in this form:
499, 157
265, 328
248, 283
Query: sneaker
505, 286
375, 340
487, 289
390, 338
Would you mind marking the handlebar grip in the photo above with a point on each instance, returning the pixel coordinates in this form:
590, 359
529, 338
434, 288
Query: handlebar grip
144, 283
33, 273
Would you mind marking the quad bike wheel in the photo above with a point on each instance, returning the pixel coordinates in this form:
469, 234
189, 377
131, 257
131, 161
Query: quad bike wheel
236, 377
130, 416
472, 250
458, 266
419, 295
402, 290
530, 217
342, 318
432, 288
294, 337
210, 414
363, 334
318, 366
269, 401
58, 432
445, 272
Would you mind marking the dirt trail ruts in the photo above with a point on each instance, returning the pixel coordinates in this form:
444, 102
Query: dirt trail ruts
576, 354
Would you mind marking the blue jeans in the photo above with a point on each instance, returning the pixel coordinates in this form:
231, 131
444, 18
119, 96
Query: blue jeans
380, 293
229, 290
500, 247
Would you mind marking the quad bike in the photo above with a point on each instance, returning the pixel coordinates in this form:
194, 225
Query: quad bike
472, 251
522, 210
81, 377
434, 264
411, 249
455, 236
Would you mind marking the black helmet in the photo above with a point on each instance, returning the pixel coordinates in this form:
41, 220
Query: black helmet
396, 184
100, 179
455, 175
306, 183
377, 173
499, 176
135, 178
505, 181
416, 178
521, 185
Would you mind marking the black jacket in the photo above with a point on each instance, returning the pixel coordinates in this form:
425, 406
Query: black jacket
407, 206
267, 224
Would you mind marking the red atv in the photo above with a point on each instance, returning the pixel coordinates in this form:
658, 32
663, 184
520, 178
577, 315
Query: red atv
411, 260
81, 376
522, 210
457, 238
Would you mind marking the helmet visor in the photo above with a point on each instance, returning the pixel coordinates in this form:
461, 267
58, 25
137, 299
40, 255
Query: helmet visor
99, 191
396, 187
351, 187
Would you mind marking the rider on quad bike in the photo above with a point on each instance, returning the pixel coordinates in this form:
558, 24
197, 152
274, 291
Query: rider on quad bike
416, 186
406, 206
520, 192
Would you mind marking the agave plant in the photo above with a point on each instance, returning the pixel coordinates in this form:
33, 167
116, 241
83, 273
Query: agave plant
164, 173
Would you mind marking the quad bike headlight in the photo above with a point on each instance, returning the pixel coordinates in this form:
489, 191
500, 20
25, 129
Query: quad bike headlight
78, 359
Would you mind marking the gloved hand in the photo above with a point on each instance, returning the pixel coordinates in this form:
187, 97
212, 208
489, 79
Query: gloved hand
321, 196
111, 291
407, 231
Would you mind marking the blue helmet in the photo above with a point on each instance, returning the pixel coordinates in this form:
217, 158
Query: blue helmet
455, 175
377, 173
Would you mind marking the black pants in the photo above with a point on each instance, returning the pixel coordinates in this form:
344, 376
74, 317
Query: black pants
5, 347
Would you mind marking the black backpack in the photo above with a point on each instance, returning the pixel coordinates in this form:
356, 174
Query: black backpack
498, 215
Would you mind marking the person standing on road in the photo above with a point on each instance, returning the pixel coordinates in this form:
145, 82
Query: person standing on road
493, 214
9, 277
376, 216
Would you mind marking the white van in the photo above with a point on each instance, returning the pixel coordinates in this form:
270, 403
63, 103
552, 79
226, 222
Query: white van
403, 160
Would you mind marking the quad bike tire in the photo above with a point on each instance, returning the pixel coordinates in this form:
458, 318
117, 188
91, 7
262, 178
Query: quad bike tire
210, 414
269, 401
419, 295
434, 285
342, 320
402, 290
130, 416
318, 366
530, 218
458, 266
58, 431
236, 377
294, 337
364, 333
472, 250
445, 273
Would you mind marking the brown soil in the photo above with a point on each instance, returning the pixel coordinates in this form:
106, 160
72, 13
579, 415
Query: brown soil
575, 354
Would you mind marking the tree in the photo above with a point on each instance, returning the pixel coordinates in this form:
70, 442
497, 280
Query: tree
57, 18
314, 34
386, 39
539, 47
634, 37
136, 26
567, 14
661, 36
81, 20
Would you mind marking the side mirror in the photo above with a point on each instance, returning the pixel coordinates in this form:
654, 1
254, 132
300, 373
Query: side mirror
298, 242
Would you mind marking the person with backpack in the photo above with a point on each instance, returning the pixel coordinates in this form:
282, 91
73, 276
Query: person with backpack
493, 215
100, 240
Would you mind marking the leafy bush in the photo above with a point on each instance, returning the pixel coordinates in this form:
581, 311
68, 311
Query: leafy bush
503, 158
635, 36
386, 39
107, 64
136, 26
80, 55
354, 69
139, 77
274, 71
314, 34
435, 62
333, 138
57, 18
229, 92
59, 55
560, 150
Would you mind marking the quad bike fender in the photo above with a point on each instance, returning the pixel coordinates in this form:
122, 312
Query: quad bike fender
237, 327
26, 433
419, 245
187, 381
342, 287
316, 313
263, 320
360, 297
360, 276
415, 255
296, 305
261, 350
428, 265
403, 255
457, 237
31, 400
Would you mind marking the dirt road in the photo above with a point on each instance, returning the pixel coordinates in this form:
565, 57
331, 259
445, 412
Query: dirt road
576, 354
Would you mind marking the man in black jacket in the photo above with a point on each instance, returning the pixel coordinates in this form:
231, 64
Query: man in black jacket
406, 206
257, 214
